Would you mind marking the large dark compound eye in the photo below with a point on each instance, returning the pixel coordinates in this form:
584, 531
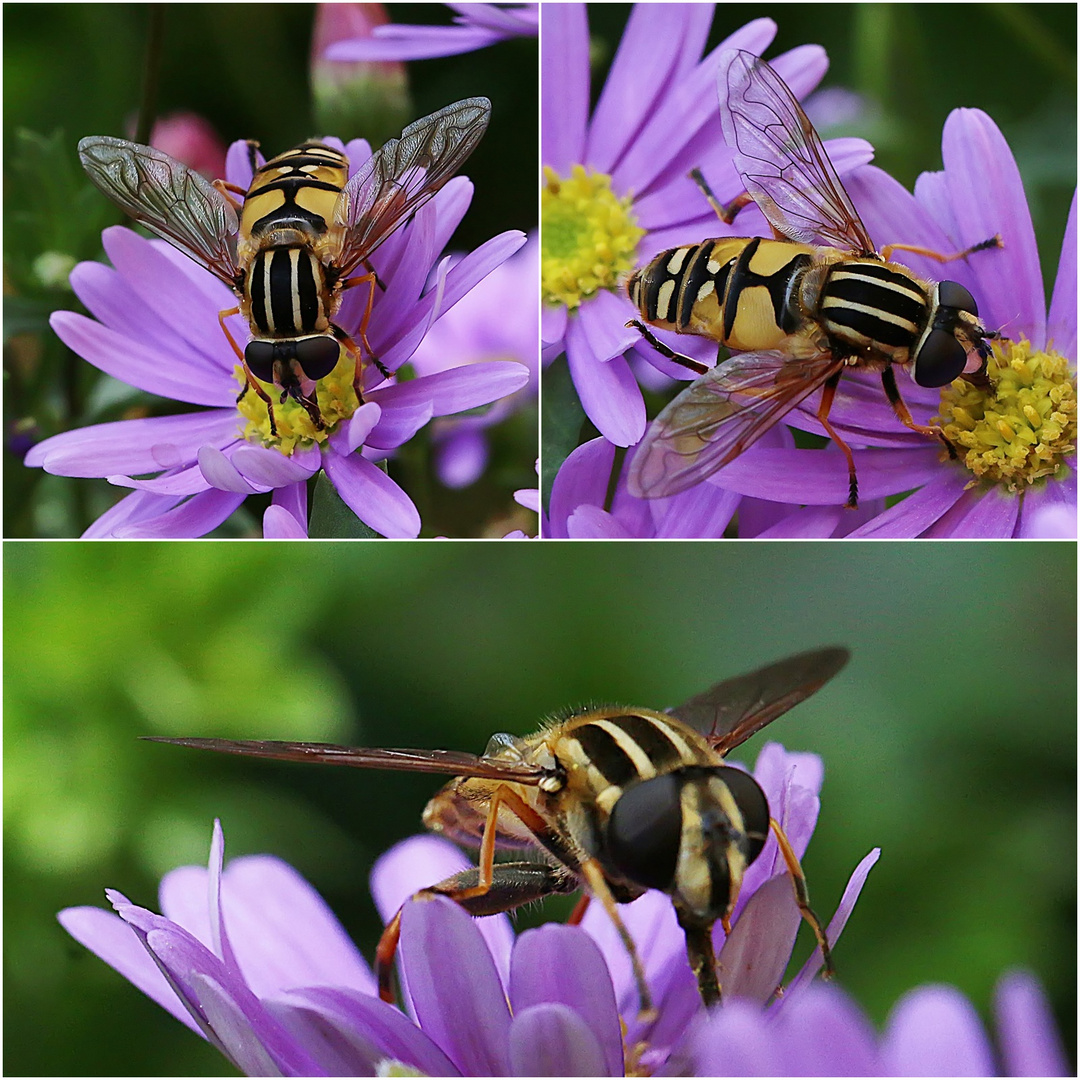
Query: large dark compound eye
940, 359
644, 831
317, 356
954, 295
753, 806
260, 359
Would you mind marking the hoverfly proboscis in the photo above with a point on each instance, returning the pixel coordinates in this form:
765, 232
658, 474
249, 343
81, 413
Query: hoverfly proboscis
799, 309
614, 801
288, 249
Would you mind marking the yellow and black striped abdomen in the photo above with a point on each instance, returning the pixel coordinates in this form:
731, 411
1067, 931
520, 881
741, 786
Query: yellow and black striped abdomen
736, 291
874, 305
298, 189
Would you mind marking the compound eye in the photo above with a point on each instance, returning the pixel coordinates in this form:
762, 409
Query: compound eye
644, 832
954, 295
753, 806
940, 360
317, 356
259, 356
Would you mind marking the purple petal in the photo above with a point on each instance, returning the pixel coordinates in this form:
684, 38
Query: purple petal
266, 468
455, 988
196, 517
1029, 1039
109, 937
281, 524
592, 523
757, 951
372, 496
608, 391
806, 523
553, 1040
355, 1023
735, 1040
462, 458
1061, 322
602, 329
398, 423
935, 1031
426, 860
355, 431
1050, 511
219, 472
562, 964
457, 389
133, 446
412, 43
237, 1032
182, 482
552, 324
837, 923
918, 511
139, 506
987, 196
139, 364
564, 86
823, 1033
980, 514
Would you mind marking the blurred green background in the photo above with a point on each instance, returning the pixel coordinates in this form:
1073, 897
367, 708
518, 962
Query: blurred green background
950, 740
911, 64
77, 69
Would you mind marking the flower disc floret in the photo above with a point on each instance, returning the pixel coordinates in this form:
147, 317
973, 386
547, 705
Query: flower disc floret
1023, 426
589, 236
336, 399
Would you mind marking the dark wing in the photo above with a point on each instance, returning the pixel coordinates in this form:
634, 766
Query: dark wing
404, 174
780, 157
170, 199
446, 762
717, 417
733, 710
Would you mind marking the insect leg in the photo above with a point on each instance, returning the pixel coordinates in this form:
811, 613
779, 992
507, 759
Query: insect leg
598, 886
802, 896
726, 213
828, 392
251, 381
579, 910
663, 350
983, 245
892, 392
511, 885
372, 279
227, 190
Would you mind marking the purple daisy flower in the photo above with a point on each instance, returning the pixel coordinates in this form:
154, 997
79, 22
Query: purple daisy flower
250, 958
932, 1031
475, 27
1016, 468
616, 184
156, 327
497, 320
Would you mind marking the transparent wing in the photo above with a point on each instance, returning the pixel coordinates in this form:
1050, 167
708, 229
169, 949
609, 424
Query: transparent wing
780, 157
404, 174
168, 198
733, 710
446, 762
717, 417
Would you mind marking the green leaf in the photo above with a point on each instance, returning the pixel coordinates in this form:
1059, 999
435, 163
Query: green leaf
331, 518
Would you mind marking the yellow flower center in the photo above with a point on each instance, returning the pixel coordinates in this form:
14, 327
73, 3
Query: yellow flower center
1023, 425
588, 236
337, 402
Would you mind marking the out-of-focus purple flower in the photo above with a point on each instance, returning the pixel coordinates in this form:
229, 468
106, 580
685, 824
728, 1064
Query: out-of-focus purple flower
475, 26
156, 327
932, 1031
616, 187
1016, 471
377, 90
251, 959
497, 320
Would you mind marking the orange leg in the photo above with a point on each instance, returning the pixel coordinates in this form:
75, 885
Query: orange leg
251, 381
228, 190
903, 414
827, 394
372, 280
983, 245
802, 896
726, 213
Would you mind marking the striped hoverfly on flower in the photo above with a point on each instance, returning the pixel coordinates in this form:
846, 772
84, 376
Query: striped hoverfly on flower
608, 800
799, 309
288, 249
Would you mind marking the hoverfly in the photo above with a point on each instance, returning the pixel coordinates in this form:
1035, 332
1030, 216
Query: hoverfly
616, 800
799, 308
287, 251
